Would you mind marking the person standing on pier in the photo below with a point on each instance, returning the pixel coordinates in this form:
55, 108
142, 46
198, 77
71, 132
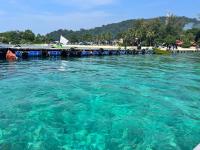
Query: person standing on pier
197, 47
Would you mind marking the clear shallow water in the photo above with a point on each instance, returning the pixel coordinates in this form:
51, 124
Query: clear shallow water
101, 103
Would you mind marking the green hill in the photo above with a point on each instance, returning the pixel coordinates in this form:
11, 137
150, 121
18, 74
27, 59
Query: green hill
145, 31
117, 28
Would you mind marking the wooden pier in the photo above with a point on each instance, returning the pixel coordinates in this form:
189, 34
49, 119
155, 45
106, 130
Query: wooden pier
71, 52
26, 52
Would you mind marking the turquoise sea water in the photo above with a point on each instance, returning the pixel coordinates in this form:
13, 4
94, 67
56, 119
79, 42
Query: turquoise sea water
101, 103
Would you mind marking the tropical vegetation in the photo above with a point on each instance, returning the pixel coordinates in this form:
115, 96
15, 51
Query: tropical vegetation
147, 32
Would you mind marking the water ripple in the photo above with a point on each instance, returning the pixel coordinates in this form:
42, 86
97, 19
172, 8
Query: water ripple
101, 103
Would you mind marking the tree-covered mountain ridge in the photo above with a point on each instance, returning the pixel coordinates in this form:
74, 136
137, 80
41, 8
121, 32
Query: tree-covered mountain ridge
148, 32
117, 28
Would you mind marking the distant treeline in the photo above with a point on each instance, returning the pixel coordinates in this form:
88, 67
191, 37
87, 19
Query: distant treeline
22, 37
148, 32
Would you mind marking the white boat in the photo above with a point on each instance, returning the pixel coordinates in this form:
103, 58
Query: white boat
63, 40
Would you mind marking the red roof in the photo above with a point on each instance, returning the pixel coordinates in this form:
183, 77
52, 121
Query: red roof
179, 42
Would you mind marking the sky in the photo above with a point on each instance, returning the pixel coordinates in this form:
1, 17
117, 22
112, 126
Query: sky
44, 16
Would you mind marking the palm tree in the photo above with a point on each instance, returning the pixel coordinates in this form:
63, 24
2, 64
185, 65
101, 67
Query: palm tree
150, 35
139, 35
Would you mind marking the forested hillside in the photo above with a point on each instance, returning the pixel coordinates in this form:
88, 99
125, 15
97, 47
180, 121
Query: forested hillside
115, 29
145, 31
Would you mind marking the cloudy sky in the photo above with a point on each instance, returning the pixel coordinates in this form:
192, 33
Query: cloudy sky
43, 16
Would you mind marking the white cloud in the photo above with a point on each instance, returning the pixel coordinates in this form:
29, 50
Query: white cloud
85, 3
78, 14
47, 22
93, 2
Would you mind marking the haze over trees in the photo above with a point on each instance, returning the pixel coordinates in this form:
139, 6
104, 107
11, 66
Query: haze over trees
148, 32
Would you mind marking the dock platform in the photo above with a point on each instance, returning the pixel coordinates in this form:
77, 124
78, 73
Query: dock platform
80, 51
25, 52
